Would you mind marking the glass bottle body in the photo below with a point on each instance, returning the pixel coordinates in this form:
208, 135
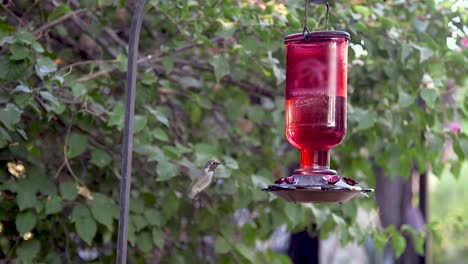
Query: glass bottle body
316, 87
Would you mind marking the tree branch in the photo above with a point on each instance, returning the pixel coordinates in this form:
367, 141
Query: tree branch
115, 37
11, 13
57, 21
100, 40
87, 62
73, 44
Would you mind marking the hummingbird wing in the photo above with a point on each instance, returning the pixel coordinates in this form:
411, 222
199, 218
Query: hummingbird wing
200, 184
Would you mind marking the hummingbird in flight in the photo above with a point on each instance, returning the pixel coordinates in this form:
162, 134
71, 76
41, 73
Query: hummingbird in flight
204, 179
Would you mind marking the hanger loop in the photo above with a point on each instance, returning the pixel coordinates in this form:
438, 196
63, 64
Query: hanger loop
306, 31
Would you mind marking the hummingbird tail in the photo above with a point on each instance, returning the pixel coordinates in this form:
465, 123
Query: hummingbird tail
193, 193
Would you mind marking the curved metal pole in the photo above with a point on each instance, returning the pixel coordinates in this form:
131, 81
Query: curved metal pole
125, 184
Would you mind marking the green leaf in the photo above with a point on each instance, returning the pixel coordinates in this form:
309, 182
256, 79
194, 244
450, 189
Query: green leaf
10, 115
140, 123
14, 70
366, 119
429, 96
153, 217
293, 213
424, 54
437, 70
260, 181
220, 66
166, 170
68, 190
105, 2
195, 114
399, 244
25, 222
52, 258
160, 135
338, 220
103, 214
203, 102
363, 10
230, 163
117, 116
168, 63
58, 12
279, 74
59, 78
458, 150
45, 66
131, 235
380, 240
22, 133
245, 251
80, 211
22, 88
37, 47
86, 228
137, 206
38, 180
419, 242
321, 216
100, 158
7, 40
405, 100
463, 142
77, 144
149, 78
189, 82
25, 37
78, 90
19, 52
171, 205
28, 249
221, 246
139, 222
122, 62
4, 138
53, 205
26, 199
227, 28
55, 104
158, 115
158, 237
256, 113
145, 242
405, 52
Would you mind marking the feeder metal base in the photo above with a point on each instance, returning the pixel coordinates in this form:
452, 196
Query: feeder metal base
313, 189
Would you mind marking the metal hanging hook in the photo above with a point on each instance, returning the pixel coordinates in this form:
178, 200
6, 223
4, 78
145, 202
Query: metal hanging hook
306, 30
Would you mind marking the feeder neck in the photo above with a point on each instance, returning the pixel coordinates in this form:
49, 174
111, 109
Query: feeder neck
315, 161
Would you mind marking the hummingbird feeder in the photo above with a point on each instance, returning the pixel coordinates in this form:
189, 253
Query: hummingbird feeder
316, 91
316, 72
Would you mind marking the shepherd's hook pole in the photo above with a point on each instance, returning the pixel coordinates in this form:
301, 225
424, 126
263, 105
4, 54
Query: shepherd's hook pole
130, 90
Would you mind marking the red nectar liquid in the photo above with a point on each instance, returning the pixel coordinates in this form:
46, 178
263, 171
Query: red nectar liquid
316, 122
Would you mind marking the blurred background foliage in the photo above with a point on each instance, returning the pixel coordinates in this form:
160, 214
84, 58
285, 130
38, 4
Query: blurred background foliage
449, 216
211, 87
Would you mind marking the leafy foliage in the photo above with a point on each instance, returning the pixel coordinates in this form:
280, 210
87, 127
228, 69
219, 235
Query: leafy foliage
449, 225
210, 87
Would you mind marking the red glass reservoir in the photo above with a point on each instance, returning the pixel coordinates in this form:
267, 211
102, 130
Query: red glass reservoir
316, 86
